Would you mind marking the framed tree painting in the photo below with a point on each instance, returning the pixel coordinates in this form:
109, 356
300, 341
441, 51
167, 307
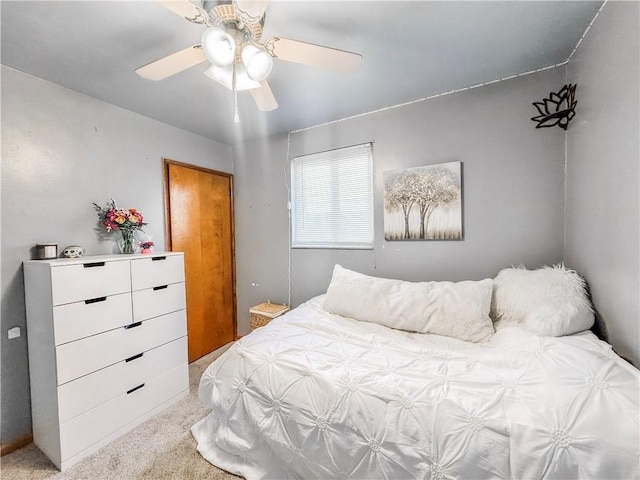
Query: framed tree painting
424, 203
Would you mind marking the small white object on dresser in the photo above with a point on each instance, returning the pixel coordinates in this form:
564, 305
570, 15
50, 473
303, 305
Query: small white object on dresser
107, 340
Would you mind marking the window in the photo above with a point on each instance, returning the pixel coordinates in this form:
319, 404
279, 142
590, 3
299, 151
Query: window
332, 199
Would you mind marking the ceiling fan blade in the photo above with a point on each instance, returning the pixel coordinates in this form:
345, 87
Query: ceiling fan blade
185, 9
264, 98
250, 11
172, 64
313, 55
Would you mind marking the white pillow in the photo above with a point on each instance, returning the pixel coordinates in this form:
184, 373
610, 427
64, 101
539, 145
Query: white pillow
550, 301
459, 310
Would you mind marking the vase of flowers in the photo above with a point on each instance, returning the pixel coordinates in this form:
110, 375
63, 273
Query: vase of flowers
147, 247
127, 244
126, 221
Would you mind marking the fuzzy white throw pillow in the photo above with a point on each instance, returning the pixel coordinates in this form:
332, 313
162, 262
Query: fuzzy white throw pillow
550, 301
459, 310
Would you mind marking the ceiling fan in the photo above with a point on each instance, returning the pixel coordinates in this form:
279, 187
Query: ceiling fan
239, 61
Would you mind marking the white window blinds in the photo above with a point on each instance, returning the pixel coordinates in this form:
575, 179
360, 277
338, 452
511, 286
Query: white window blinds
332, 199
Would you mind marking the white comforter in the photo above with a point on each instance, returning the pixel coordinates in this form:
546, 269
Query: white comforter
313, 395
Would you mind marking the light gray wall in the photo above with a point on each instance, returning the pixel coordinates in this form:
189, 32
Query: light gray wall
61, 151
513, 180
261, 224
602, 191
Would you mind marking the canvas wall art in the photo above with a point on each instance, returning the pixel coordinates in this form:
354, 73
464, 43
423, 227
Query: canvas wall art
424, 203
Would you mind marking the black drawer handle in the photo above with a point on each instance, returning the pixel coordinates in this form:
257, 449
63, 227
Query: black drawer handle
161, 287
94, 264
155, 259
135, 388
133, 325
95, 300
131, 359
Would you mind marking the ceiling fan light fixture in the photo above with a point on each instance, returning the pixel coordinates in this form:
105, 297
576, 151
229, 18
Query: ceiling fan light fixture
224, 76
219, 47
257, 62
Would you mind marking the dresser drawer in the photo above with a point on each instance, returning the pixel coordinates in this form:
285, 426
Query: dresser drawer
156, 301
85, 393
73, 321
87, 355
84, 281
84, 430
156, 270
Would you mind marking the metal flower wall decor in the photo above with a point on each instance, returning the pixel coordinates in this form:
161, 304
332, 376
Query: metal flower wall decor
558, 109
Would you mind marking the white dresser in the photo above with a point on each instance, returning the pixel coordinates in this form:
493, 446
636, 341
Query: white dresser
107, 342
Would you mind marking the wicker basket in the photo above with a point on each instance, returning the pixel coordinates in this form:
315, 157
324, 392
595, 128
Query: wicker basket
262, 314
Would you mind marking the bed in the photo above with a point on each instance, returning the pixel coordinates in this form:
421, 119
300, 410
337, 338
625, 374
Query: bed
315, 394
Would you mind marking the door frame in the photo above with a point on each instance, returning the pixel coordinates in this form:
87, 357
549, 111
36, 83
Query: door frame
166, 162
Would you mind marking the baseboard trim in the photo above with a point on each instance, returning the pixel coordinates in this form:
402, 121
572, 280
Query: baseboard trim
16, 444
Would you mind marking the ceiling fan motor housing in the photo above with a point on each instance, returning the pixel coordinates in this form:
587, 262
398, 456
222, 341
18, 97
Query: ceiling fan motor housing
224, 16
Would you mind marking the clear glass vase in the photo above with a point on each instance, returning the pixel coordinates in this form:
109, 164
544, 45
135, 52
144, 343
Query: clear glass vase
127, 244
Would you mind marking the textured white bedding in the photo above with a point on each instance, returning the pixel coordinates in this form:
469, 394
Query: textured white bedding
314, 395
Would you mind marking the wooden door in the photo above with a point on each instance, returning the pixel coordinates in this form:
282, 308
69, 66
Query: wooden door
199, 213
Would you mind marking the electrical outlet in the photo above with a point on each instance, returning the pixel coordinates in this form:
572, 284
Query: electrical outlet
13, 332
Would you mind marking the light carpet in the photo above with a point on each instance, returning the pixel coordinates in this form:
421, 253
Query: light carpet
160, 448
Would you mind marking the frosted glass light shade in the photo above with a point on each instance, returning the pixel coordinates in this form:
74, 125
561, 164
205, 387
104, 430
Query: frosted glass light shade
257, 62
224, 76
219, 47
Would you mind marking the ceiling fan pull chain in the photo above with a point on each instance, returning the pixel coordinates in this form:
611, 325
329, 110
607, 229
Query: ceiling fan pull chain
236, 117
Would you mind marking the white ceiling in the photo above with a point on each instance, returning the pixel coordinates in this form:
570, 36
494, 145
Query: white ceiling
411, 50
